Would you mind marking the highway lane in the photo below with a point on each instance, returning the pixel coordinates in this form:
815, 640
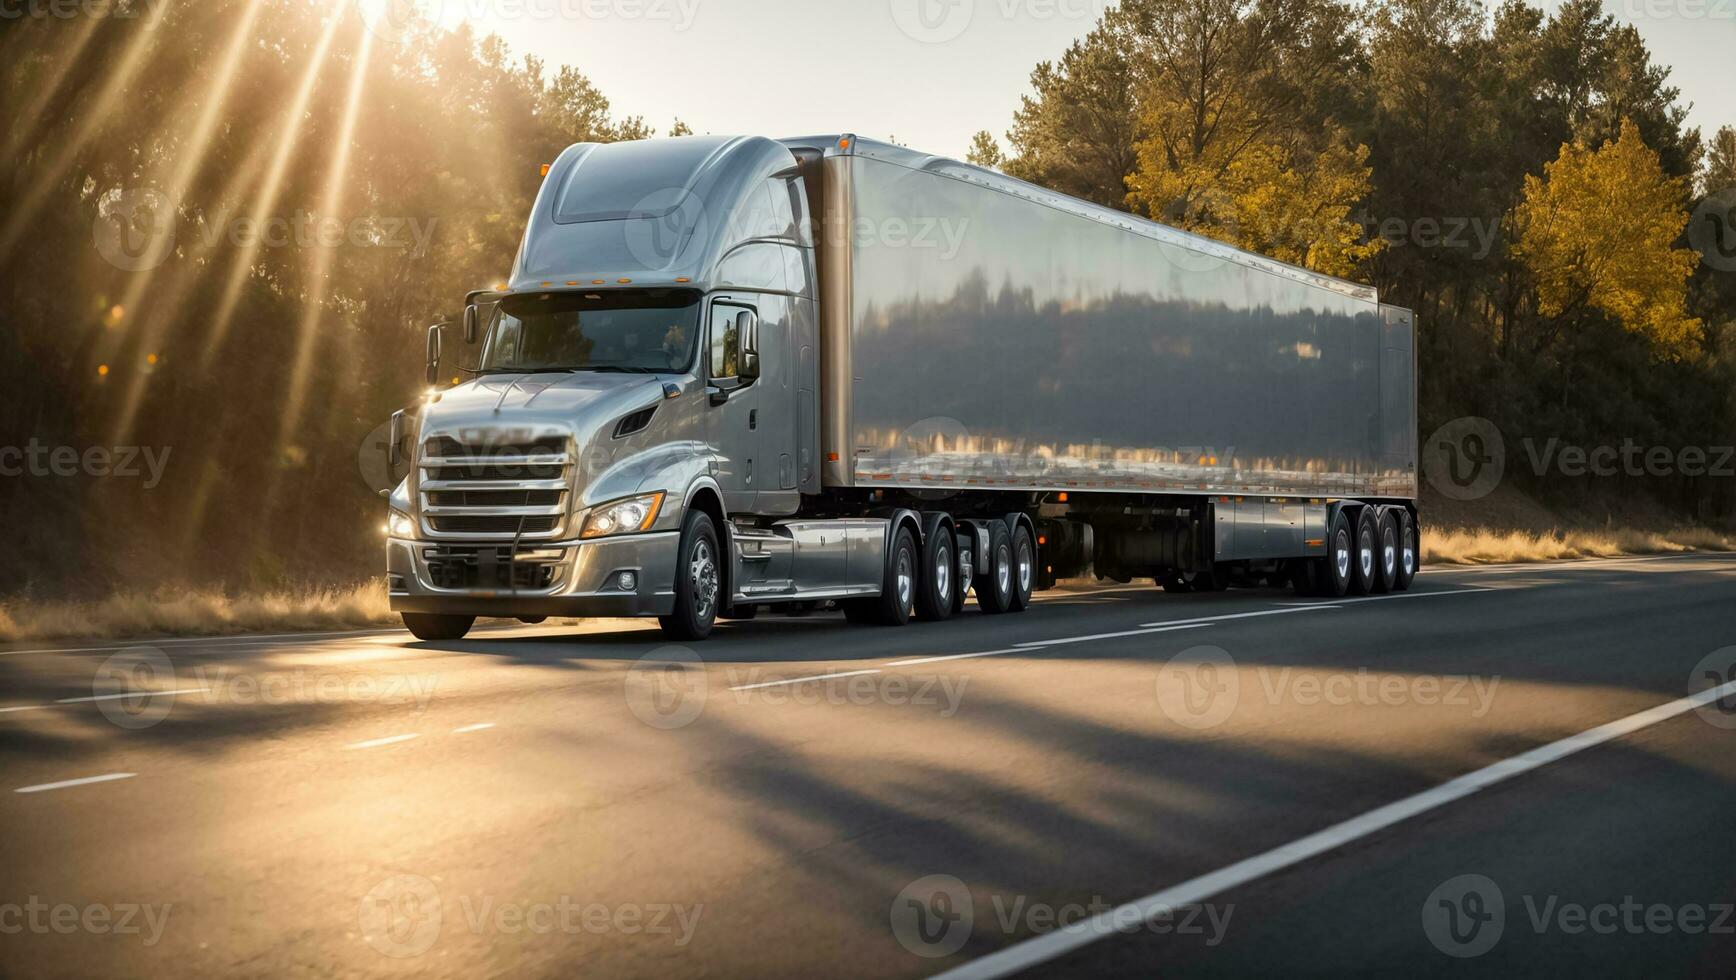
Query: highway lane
551, 799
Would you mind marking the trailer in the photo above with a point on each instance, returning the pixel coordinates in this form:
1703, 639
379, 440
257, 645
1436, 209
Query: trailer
735, 374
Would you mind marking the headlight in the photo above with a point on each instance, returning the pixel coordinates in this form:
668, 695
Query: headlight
623, 516
399, 525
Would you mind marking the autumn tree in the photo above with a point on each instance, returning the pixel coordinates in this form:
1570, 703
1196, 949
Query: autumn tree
1598, 233
985, 152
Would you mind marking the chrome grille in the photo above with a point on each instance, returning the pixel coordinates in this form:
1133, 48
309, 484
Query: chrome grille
511, 487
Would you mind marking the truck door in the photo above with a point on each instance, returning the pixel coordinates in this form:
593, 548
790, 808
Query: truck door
733, 418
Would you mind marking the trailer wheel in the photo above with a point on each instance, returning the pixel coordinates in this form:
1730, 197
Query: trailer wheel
966, 543
1024, 568
939, 575
1407, 551
897, 598
1334, 571
437, 626
698, 580
1386, 555
1365, 554
994, 584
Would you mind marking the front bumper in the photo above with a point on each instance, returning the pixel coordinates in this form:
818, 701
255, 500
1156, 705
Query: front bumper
483, 579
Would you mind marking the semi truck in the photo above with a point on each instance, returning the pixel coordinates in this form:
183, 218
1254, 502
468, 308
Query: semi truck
736, 374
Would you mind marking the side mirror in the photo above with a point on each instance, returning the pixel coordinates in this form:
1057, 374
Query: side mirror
747, 330
395, 451
470, 324
433, 363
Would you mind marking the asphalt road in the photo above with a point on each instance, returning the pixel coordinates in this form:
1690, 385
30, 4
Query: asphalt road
1423, 783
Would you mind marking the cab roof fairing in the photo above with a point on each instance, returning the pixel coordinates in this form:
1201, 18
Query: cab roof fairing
650, 211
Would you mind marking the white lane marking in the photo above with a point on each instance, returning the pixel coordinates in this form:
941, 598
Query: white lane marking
473, 728
374, 743
1041, 949
1408, 595
131, 694
810, 677
1039, 644
65, 783
1246, 615
1062, 641
24, 707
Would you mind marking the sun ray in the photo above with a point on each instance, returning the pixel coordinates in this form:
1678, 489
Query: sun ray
25, 125
283, 155
116, 86
331, 201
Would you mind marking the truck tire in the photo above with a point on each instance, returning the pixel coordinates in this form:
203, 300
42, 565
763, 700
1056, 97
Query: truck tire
966, 543
938, 578
437, 626
1409, 558
994, 584
1386, 555
1365, 554
698, 578
1334, 571
897, 599
1024, 568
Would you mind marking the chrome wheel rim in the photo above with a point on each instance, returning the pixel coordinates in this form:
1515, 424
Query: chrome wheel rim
1004, 568
1341, 554
943, 573
1388, 554
703, 569
1024, 567
905, 579
1410, 555
1365, 556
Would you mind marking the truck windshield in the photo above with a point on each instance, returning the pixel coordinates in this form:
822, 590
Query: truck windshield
654, 331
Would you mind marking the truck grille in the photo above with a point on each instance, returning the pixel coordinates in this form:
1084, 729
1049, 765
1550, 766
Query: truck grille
512, 487
487, 568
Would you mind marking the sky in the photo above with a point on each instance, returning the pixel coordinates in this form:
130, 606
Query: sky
929, 73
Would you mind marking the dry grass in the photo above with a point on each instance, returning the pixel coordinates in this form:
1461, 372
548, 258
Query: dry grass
196, 613
1483, 547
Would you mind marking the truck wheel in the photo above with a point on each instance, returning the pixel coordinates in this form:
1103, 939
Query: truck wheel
966, 543
1335, 569
898, 593
1365, 554
994, 584
1386, 555
1024, 568
1408, 560
437, 626
698, 578
939, 578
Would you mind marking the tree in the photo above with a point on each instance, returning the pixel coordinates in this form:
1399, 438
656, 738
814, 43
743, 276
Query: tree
1598, 232
1075, 133
1720, 169
985, 152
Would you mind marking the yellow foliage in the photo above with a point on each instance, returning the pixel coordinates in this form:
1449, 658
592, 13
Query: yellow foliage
1597, 230
1255, 193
